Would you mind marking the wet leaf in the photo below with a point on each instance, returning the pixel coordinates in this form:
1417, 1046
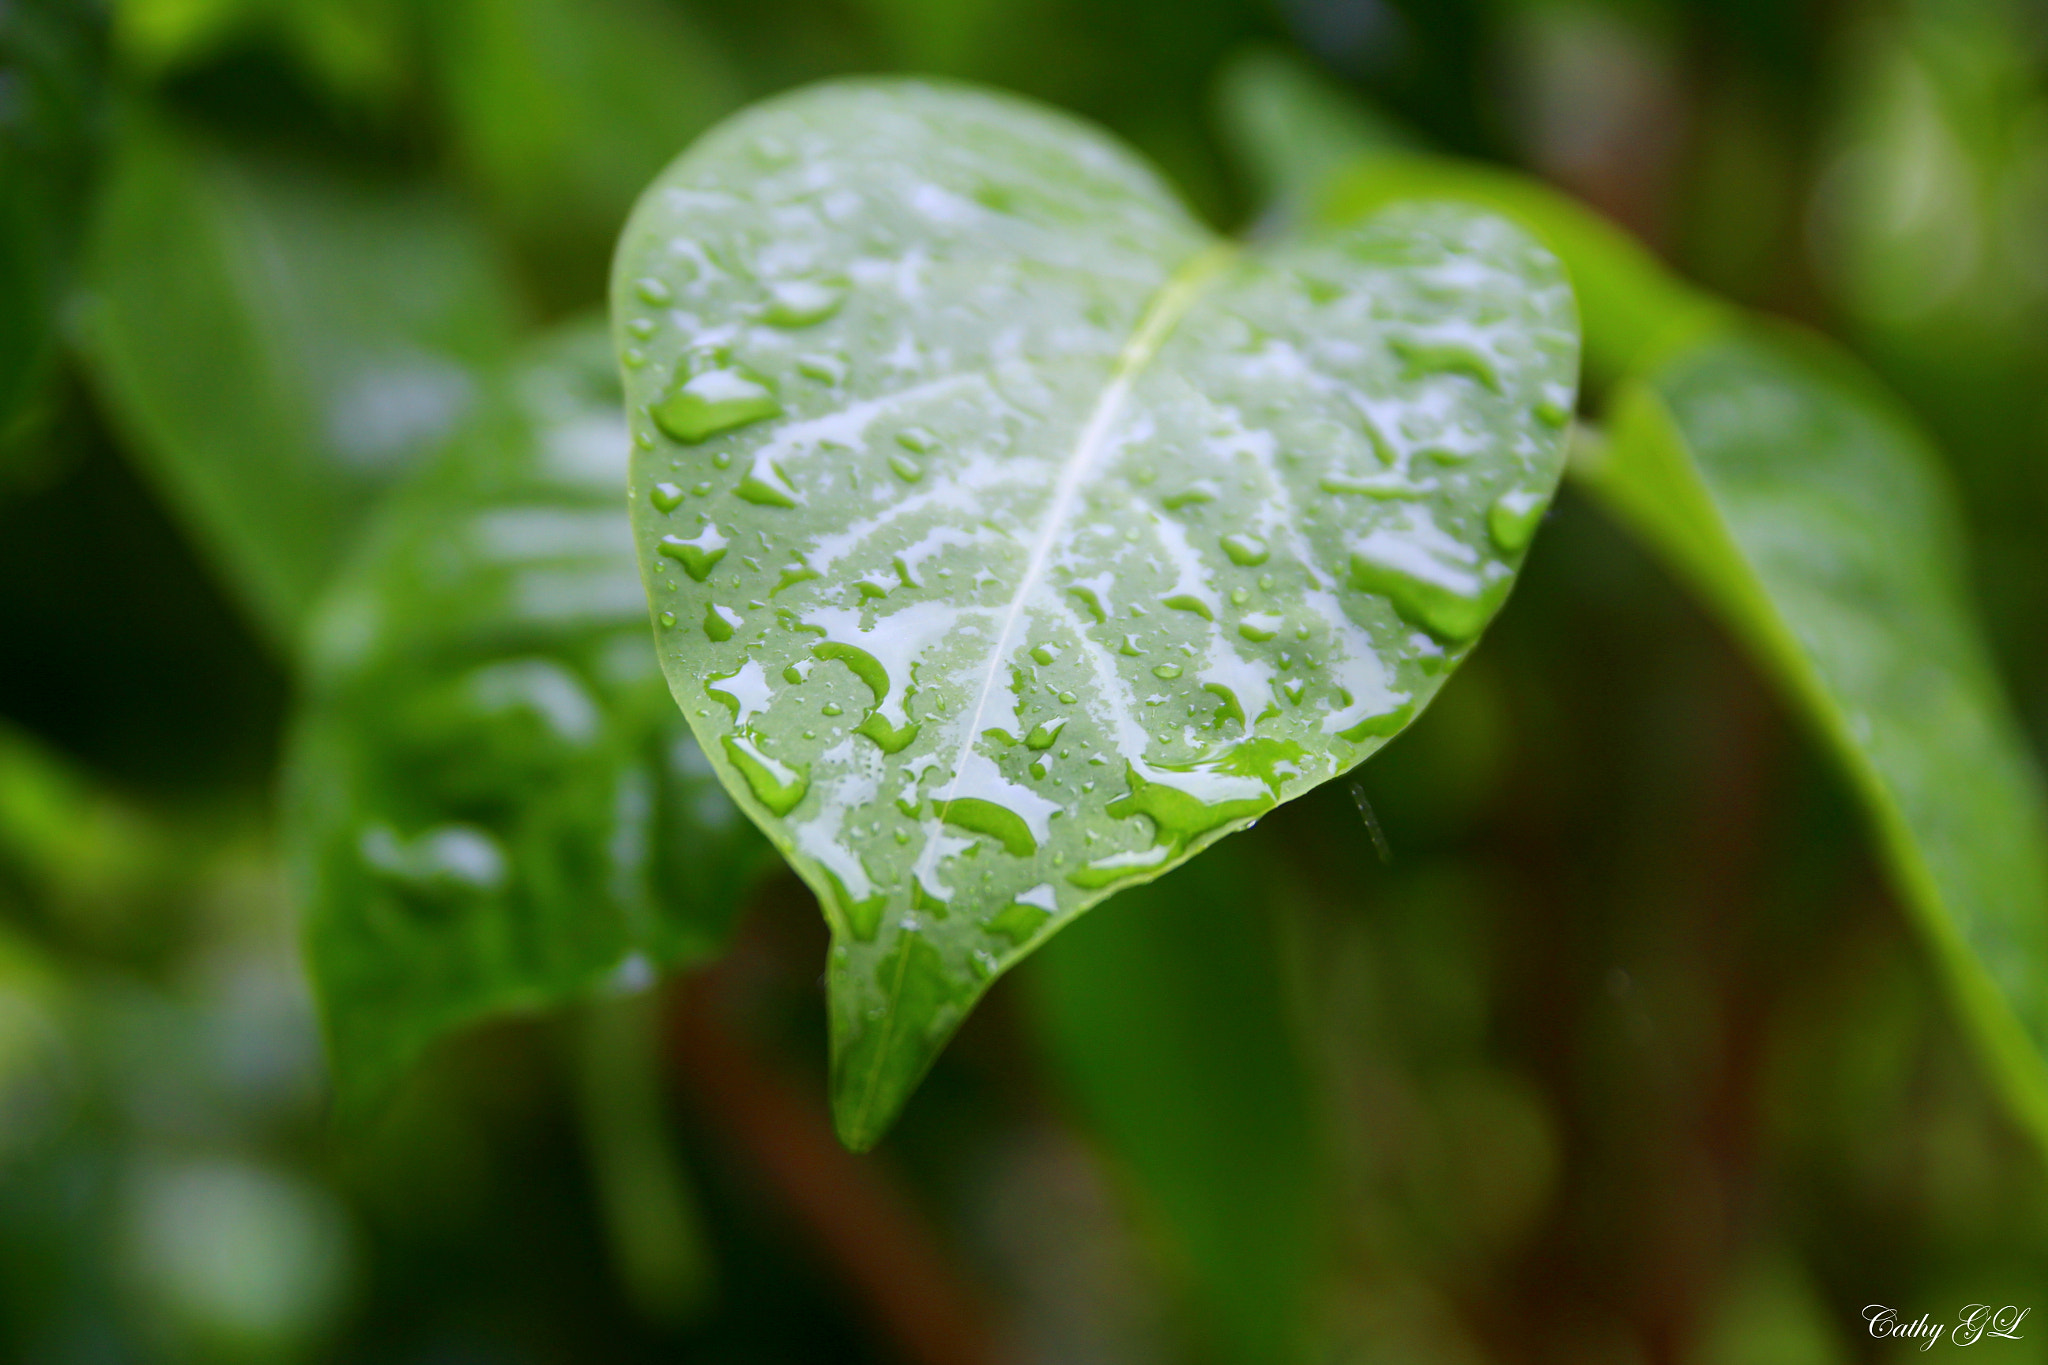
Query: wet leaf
1020, 538
1802, 505
281, 345
494, 803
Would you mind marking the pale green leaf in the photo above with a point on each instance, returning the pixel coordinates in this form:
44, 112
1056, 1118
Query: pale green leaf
494, 804
1811, 514
280, 345
1015, 538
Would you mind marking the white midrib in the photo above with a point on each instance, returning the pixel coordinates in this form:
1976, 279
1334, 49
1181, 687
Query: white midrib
1164, 312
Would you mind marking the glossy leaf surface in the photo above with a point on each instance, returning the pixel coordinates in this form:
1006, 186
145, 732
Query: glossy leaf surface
281, 347
495, 804
1800, 503
1014, 538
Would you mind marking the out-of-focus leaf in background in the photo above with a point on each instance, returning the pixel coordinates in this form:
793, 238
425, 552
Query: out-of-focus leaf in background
495, 803
1795, 497
563, 110
52, 104
1167, 1017
1792, 495
281, 343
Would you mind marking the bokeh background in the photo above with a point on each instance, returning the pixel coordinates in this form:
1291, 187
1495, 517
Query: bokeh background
1622, 1052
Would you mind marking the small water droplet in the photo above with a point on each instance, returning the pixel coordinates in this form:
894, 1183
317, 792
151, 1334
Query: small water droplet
824, 369
833, 708
1245, 550
1069, 698
633, 357
666, 497
918, 439
1044, 733
1238, 597
1513, 518
1166, 670
1045, 654
668, 620
643, 328
907, 469
652, 291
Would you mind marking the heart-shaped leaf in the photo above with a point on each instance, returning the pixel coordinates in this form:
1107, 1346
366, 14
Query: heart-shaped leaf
494, 805
1013, 537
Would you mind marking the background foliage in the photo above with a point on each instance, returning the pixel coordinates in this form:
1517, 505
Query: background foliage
1626, 1053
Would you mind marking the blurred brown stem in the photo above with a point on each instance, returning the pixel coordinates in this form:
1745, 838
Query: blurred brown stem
855, 1214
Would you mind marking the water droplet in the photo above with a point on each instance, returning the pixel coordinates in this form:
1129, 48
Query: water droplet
775, 785
1552, 414
643, 441
1044, 733
1450, 603
1266, 582
824, 369
1069, 698
1000, 823
1087, 598
1245, 550
1422, 359
720, 622
802, 303
700, 407
697, 555
907, 469
668, 620
918, 439
666, 497
1238, 597
1038, 770
833, 708
764, 486
1513, 518
1045, 654
1189, 602
643, 328
1168, 671
652, 291
633, 357
1259, 627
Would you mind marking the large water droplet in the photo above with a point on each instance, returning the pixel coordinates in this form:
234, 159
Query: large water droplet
1044, 733
1245, 550
802, 303
1513, 518
721, 622
775, 785
698, 554
1000, 823
700, 407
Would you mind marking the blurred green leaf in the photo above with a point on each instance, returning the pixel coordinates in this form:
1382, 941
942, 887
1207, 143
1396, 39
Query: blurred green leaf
281, 344
563, 109
1073, 512
50, 109
1167, 1020
494, 804
1293, 129
1803, 506
1289, 126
